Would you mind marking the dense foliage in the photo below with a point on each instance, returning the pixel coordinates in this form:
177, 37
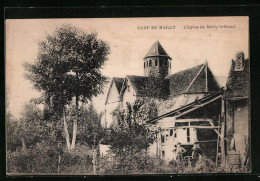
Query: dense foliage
68, 65
129, 136
68, 70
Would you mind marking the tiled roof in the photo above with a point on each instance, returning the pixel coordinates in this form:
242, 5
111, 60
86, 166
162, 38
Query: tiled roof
189, 105
157, 50
191, 80
176, 102
139, 84
238, 82
119, 82
180, 81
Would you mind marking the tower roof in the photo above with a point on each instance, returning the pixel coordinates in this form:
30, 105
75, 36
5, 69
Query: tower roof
157, 50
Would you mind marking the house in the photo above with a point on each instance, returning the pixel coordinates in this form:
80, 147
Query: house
197, 121
237, 109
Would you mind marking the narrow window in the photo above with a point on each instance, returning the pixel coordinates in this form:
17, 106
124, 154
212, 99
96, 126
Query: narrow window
165, 63
147, 64
144, 64
160, 62
175, 133
156, 62
188, 135
150, 63
171, 132
163, 139
170, 65
163, 153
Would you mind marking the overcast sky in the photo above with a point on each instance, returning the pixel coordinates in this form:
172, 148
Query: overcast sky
218, 42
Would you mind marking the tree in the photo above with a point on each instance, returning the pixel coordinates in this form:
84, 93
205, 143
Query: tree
67, 70
130, 136
90, 130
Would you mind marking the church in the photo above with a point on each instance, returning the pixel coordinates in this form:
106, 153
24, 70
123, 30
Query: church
190, 103
181, 87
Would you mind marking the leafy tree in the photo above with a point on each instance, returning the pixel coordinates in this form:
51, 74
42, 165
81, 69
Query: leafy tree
130, 137
89, 124
35, 129
67, 70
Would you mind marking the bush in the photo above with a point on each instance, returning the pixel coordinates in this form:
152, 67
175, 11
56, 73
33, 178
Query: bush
44, 159
77, 161
41, 159
145, 164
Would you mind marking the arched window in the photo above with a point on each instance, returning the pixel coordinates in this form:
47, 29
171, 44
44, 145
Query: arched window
144, 64
150, 63
156, 62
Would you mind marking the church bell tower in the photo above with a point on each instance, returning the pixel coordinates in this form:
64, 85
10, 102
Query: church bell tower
157, 62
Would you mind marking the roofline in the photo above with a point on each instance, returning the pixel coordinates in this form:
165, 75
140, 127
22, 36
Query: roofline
158, 56
202, 92
197, 102
214, 77
168, 76
122, 86
121, 91
195, 77
113, 79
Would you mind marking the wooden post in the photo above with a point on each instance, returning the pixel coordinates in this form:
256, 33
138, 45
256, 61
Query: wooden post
217, 143
159, 142
223, 155
206, 74
94, 161
94, 156
59, 158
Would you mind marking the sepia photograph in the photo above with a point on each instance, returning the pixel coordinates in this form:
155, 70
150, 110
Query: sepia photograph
127, 96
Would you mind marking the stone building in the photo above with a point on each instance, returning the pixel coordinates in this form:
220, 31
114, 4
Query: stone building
237, 109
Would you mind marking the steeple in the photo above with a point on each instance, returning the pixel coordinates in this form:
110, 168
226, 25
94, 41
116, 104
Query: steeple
157, 62
157, 50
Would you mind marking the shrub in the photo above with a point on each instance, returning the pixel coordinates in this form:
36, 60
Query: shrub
44, 159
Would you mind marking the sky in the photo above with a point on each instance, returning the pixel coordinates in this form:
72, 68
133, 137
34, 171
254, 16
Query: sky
189, 41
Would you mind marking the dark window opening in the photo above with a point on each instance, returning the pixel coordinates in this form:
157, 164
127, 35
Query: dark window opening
171, 132
170, 65
160, 62
144, 64
188, 135
163, 139
150, 63
147, 64
156, 62
163, 153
